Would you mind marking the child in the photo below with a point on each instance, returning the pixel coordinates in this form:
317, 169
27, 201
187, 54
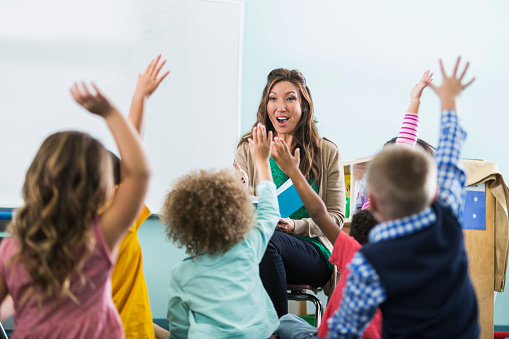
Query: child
217, 292
345, 247
57, 264
415, 267
410, 127
129, 290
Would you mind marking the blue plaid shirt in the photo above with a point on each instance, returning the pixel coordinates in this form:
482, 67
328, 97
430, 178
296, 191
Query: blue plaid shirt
364, 291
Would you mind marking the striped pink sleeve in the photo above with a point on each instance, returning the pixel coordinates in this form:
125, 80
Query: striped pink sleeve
409, 129
366, 205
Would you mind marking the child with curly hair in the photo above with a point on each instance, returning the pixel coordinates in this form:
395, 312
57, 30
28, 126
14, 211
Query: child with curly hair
57, 264
217, 291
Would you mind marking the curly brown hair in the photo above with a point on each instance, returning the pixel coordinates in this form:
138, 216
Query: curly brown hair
207, 212
306, 134
68, 181
362, 223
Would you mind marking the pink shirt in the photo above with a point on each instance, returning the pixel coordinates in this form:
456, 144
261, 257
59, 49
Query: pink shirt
343, 251
95, 317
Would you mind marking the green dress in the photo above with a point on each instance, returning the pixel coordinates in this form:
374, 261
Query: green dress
280, 178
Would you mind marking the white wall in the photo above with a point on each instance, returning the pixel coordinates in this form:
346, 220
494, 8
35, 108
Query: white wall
46, 46
361, 58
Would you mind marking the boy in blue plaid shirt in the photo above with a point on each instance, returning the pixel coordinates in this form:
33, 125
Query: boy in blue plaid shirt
415, 266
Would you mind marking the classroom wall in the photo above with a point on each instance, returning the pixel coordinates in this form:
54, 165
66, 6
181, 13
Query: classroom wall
354, 56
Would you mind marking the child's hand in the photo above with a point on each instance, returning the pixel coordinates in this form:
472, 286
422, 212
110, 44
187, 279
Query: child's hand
284, 159
149, 81
94, 103
451, 86
260, 144
426, 79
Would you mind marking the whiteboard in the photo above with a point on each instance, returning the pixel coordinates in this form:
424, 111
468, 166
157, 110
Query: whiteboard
192, 120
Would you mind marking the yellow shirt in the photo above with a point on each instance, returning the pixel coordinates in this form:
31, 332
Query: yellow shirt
129, 289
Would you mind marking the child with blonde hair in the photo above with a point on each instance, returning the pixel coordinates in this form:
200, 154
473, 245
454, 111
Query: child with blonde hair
415, 267
57, 264
217, 291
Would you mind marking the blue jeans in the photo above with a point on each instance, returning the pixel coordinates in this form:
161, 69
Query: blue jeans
293, 327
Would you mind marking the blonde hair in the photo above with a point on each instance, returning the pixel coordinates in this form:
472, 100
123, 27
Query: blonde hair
207, 212
66, 184
402, 178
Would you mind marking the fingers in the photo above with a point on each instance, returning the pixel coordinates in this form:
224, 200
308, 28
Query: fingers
469, 83
442, 69
262, 133
154, 64
297, 155
85, 89
162, 77
80, 95
429, 78
260, 136
425, 76
75, 92
149, 67
464, 71
157, 69
256, 134
456, 67
99, 94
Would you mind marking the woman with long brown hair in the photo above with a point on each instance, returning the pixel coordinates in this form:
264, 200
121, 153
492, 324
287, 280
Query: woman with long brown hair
299, 252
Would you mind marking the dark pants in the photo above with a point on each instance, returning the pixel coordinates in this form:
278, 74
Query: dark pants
293, 261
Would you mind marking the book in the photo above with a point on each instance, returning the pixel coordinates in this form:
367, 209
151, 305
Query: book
287, 197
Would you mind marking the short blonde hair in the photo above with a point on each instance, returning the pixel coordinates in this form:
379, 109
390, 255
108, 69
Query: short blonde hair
403, 180
207, 212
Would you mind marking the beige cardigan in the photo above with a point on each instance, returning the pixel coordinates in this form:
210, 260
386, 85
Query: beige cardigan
331, 188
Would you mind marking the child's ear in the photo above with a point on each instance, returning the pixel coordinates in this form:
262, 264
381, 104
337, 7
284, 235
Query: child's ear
436, 196
372, 202
374, 206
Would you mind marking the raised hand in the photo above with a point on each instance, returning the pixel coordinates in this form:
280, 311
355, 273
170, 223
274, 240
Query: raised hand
284, 159
94, 103
260, 143
426, 79
150, 80
451, 86
146, 85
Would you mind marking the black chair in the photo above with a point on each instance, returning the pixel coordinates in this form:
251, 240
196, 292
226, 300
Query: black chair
297, 292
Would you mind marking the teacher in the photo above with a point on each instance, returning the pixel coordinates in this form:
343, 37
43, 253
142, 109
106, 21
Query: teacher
298, 252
